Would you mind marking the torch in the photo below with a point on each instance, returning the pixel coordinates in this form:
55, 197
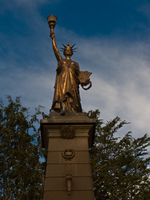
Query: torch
52, 22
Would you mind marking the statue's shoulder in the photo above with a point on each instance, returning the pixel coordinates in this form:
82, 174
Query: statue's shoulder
62, 61
74, 63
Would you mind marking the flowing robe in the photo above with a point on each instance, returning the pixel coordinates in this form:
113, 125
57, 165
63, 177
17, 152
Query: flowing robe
67, 86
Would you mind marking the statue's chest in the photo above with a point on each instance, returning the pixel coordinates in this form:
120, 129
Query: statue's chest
66, 65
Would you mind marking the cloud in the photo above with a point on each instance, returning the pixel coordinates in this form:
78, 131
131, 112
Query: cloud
145, 9
120, 80
26, 4
120, 70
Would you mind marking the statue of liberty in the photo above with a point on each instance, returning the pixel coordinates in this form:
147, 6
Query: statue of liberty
68, 77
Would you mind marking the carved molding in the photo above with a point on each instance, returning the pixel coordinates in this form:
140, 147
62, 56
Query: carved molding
67, 132
68, 154
69, 180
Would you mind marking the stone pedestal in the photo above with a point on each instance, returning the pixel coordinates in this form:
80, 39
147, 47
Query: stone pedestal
68, 173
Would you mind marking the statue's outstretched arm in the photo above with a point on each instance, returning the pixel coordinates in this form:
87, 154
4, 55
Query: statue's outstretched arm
55, 49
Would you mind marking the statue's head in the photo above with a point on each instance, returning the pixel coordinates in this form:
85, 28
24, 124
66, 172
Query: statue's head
68, 50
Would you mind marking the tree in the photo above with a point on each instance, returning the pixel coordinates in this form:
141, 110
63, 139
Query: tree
21, 171
119, 166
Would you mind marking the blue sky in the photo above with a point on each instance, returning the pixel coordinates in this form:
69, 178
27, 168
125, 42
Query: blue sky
113, 40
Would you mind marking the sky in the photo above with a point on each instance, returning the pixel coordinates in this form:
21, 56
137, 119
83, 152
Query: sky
113, 40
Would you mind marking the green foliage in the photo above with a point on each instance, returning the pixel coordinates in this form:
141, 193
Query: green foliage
21, 171
119, 166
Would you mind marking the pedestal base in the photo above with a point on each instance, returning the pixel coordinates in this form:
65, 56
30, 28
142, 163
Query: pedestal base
68, 173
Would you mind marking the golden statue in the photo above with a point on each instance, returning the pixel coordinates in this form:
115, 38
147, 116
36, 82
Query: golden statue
68, 77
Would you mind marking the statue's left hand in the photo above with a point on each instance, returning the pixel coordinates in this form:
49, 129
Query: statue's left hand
84, 79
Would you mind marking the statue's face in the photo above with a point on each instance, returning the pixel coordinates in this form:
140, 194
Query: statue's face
68, 51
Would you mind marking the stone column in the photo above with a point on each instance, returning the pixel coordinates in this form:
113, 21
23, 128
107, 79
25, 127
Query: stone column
68, 172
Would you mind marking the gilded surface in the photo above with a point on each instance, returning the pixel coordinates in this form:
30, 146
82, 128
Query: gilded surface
68, 77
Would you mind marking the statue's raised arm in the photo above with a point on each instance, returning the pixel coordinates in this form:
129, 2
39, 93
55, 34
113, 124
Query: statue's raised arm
56, 51
52, 22
68, 77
